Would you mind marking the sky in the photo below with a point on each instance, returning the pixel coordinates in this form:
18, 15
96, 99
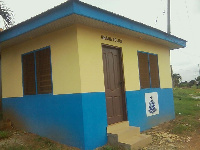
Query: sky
185, 23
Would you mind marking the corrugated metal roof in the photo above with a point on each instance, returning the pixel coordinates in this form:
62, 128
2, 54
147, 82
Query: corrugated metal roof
99, 16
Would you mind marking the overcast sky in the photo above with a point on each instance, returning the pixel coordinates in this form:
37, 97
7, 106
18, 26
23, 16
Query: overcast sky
185, 23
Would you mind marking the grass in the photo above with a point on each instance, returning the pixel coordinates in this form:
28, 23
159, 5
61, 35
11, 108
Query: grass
187, 110
4, 134
23, 147
38, 143
15, 147
110, 147
45, 142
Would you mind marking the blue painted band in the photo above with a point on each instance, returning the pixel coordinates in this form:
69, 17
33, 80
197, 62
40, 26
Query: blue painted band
73, 119
117, 20
136, 108
80, 8
42, 19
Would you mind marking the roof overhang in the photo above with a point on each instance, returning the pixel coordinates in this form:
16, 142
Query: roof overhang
76, 12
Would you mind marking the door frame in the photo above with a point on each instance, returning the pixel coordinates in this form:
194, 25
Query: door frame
124, 107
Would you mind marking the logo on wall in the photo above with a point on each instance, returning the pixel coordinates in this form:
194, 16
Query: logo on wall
108, 38
152, 106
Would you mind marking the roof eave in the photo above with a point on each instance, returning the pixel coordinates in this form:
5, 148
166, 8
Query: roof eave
82, 9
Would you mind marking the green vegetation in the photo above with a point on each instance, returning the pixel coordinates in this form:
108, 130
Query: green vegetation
4, 134
176, 79
15, 147
177, 82
32, 146
109, 147
187, 110
44, 142
7, 15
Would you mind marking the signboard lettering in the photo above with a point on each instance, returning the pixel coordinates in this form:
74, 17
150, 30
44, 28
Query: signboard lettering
108, 38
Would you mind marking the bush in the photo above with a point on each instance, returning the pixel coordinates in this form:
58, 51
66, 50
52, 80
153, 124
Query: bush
4, 134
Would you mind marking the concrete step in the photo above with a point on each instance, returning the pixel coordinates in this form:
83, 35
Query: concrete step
127, 132
127, 136
117, 126
136, 142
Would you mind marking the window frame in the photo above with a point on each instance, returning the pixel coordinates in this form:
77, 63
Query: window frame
36, 88
149, 69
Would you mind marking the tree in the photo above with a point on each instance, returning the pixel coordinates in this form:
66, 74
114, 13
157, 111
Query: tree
198, 78
197, 81
183, 84
7, 15
176, 79
191, 83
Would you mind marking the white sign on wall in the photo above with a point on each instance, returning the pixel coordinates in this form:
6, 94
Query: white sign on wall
152, 106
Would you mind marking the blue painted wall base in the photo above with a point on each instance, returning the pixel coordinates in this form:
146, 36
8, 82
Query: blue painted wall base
71, 119
80, 120
136, 108
94, 119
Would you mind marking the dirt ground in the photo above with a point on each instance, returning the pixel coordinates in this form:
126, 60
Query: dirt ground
162, 140
20, 140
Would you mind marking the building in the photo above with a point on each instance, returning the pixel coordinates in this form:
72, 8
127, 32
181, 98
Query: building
70, 72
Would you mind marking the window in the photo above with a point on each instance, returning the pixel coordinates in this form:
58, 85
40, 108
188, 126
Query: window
148, 69
37, 72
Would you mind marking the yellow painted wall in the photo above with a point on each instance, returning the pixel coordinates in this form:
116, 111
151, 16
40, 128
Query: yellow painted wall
64, 57
91, 63
77, 65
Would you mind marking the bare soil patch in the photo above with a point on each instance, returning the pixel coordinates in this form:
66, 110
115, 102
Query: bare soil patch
164, 139
20, 140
